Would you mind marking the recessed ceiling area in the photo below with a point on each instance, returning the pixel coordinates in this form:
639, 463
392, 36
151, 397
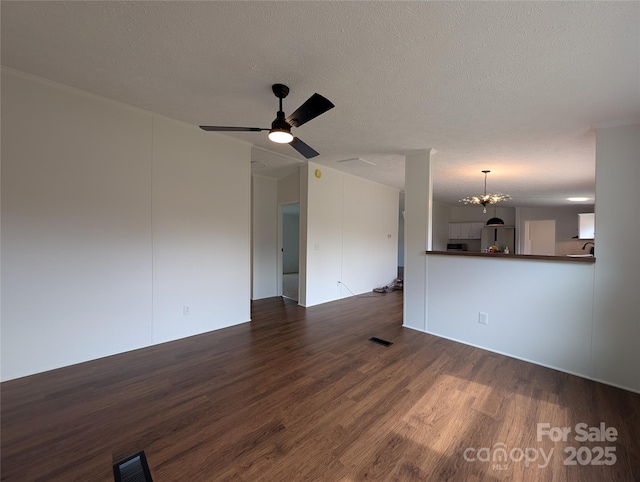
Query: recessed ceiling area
514, 87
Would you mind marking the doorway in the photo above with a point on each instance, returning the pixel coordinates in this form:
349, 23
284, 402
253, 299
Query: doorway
290, 267
540, 237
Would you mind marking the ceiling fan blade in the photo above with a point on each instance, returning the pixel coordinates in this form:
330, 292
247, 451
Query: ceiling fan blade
312, 108
232, 129
303, 148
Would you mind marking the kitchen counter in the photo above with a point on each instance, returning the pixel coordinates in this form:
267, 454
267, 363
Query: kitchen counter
532, 257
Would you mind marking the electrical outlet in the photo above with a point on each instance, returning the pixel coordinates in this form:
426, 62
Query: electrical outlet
483, 318
186, 310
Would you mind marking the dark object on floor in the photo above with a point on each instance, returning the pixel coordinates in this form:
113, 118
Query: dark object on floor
133, 469
381, 341
397, 284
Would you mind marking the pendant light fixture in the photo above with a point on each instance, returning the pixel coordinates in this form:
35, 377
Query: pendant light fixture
495, 220
486, 198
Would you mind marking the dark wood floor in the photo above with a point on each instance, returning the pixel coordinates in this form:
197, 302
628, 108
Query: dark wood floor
301, 394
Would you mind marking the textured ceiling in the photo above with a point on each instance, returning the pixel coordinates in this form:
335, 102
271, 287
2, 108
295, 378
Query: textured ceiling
514, 87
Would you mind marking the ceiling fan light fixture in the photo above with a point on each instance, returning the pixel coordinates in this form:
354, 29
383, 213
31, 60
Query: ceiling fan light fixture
280, 130
281, 136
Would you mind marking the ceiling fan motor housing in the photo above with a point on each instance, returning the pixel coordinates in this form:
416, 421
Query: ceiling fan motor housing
280, 90
280, 123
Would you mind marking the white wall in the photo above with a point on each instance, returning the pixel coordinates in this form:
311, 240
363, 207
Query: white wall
112, 220
201, 231
289, 189
350, 229
538, 310
617, 276
385, 236
264, 237
324, 236
359, 217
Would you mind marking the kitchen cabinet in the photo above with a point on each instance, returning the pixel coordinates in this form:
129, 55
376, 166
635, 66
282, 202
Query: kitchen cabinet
465, 230
587, 226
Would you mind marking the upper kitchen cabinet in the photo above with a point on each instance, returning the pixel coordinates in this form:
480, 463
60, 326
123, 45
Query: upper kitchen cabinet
586, 225
465, 230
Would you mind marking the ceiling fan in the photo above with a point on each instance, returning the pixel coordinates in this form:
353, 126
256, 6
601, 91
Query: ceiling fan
280, 130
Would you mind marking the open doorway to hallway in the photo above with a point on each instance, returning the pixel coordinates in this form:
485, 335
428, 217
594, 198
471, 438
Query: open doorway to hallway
290, 250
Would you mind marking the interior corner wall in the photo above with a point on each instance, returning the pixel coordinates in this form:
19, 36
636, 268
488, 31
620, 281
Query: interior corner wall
385, 235
113, 220
351, 228
441, 216
616, 304
264, 237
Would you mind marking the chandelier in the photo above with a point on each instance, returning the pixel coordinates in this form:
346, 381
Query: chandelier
486, 198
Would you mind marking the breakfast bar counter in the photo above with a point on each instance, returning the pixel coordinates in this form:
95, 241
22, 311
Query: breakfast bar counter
537, 257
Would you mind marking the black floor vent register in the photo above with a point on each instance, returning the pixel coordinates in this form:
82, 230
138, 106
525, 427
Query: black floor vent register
381, 341
133, 469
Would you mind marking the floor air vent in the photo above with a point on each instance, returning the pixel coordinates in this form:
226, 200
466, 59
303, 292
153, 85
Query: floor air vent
381, 341
133, 469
